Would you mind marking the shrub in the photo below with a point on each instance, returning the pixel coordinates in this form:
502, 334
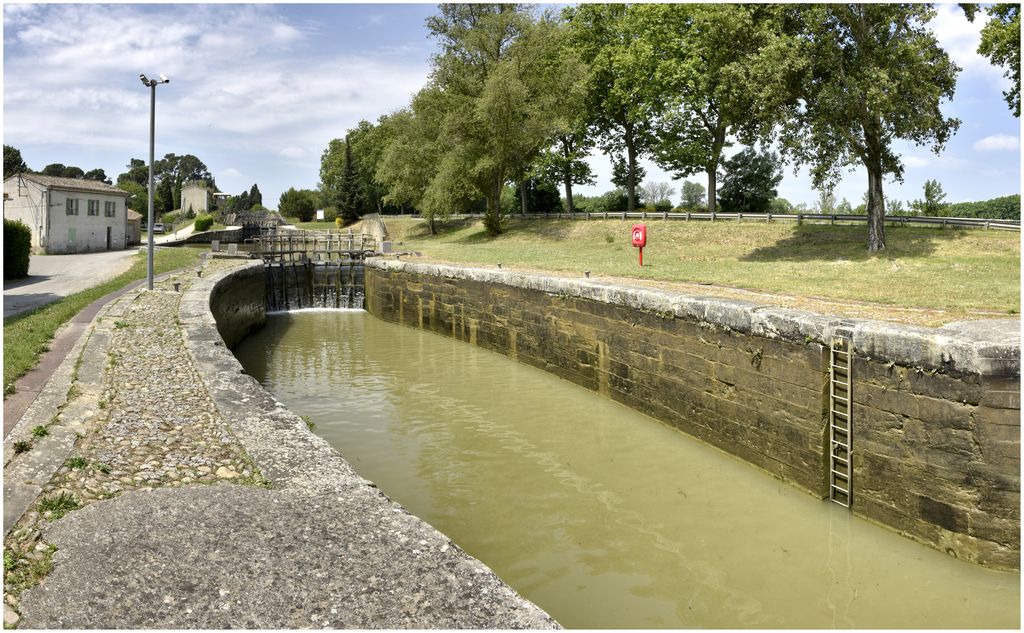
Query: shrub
339, 221
663, 206
330, 214
17, 247
204, 222
170, 219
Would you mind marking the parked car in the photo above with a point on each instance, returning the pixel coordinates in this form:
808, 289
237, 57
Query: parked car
158, 227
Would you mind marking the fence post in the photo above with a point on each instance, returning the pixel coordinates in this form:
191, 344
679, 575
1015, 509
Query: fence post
664, 215
799, 219
769, 217
605, 215
833, 220
687, 216
643, 215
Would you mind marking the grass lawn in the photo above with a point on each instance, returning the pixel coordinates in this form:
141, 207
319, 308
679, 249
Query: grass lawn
957, 271
28, 335
314, 225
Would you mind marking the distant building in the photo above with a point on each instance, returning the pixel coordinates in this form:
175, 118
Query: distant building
134, 228
68, 215
197, 197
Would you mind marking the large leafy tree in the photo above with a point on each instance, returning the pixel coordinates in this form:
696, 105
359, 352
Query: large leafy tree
619, 95
875, 73
1000, 42
694, 195
409, 162
751, 181
13, 162
298, 203
97, 174
366, 142
498, 76
565, 162
332, 165
721, 71
480, 101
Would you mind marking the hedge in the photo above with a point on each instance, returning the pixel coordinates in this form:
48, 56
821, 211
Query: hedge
17, 246
204, 222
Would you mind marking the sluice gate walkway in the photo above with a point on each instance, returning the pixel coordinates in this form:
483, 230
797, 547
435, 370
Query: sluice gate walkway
314, 269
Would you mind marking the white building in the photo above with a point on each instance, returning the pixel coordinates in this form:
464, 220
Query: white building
68, 215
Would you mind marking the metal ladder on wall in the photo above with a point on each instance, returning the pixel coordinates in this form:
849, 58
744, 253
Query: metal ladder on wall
840, 421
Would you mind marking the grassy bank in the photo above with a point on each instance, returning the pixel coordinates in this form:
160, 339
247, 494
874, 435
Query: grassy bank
28, 335
953, 270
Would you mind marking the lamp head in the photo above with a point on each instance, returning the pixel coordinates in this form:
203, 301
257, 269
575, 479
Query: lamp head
145, 81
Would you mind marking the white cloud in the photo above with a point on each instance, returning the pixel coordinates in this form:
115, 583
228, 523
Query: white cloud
232, 73
998, 143
230, 172
960, 39
945, 161
376, 19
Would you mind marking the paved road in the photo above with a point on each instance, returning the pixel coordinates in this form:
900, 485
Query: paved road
52, 277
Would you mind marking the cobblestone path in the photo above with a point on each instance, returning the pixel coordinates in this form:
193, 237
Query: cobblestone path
153, 426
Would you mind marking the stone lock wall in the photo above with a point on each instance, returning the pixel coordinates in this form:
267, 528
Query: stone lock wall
936, 411
238, 303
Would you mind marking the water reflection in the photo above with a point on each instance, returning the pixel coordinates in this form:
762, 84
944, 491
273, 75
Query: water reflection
602, 516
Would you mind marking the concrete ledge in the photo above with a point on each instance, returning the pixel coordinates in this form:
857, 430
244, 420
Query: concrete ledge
305, 469
985, 348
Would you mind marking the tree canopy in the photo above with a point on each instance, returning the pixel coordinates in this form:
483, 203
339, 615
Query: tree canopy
720, 70
13, 162
751, 181
874, 73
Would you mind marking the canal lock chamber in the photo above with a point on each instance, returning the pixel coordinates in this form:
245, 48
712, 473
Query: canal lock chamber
526, 319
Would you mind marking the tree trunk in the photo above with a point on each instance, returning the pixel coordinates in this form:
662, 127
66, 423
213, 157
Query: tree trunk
876, 210
568, 195
567, 173
630, 169
430, 226
716, 154
492, 219
712, 191
522, 195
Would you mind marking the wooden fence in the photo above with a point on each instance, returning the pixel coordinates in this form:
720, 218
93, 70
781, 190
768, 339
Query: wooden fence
893, 220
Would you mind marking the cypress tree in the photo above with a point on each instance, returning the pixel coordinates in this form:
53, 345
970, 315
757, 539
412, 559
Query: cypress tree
349, 197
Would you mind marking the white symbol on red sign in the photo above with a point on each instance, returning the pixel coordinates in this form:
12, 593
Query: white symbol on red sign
636, 235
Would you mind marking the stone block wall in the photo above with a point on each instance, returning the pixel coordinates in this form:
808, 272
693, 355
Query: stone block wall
936, 412
238, 303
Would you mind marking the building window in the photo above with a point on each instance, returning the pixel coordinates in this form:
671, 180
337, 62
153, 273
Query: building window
71, 204
108, 209
94, 207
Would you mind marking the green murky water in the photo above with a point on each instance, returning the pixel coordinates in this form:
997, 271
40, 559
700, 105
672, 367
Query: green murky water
602, 516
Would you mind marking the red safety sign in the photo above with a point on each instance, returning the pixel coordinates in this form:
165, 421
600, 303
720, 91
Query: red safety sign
640, 239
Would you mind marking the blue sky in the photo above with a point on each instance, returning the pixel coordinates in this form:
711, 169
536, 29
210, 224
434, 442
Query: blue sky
258, 90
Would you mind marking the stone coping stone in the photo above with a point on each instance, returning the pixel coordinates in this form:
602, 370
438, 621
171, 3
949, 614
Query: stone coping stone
984, 348
360, 559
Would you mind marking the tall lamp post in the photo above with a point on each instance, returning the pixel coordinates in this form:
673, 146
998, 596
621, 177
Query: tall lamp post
152, 84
